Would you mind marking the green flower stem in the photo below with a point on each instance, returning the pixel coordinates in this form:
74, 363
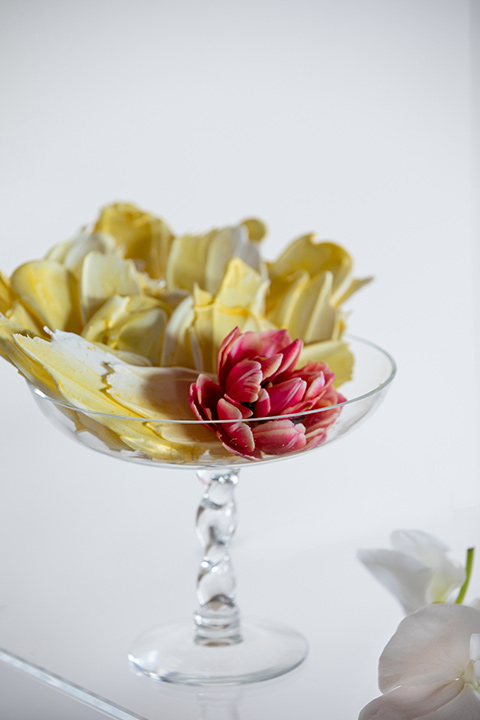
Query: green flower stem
468, 571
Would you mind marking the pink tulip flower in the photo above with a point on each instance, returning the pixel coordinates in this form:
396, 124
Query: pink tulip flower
262, 399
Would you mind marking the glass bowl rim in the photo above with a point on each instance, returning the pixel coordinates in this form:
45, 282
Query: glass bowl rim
349, 401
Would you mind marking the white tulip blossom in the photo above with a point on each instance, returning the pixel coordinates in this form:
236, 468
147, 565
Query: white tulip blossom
430, 669
417, 570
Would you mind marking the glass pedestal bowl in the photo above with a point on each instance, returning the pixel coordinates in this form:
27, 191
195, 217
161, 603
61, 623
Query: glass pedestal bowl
216, 646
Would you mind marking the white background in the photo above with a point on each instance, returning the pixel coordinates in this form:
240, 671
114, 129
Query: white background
354, 119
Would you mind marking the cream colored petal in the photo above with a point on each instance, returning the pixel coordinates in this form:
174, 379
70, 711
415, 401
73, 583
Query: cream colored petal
130, 358
49, 292
282, 296
100, 437
224, 245
187, 261
162, 394
248, 251
154, 287
315, 257
201, 298
155, 392
284, 299
84, 244
204, 330
333, 352
142, 334
305, 309
256, 229
70, 358
142, 236
112, 312
133, 324
20, 315
59, 251
78, 369
198, 438
157, 289
102, 277
347, 292
33, 371
203, 259
242, 287
177, 350
221, 249
340, 325
237, 304
6, 296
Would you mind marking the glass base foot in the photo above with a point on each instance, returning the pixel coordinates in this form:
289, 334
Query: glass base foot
170, 653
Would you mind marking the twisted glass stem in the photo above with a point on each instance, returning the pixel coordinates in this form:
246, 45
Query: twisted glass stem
217, 618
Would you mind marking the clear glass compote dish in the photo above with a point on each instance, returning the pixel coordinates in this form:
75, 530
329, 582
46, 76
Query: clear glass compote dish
217, 646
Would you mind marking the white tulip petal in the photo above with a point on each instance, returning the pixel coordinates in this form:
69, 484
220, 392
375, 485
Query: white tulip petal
415, 702
405, 577
430, 646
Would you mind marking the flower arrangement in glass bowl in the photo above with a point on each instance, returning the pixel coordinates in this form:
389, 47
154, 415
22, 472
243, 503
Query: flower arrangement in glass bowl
192, 350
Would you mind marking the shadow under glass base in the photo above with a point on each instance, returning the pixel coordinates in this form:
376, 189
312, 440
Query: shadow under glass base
170, 653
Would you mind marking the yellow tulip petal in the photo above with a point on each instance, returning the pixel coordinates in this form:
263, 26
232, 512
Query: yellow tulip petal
113, 311
142, 236
162, 394
283, 297
226, 245
256, 229
178, 343
59, 251
142, 334
203, 259
187, 260
315, 312
20, 315
155, 392
315, 257
84, 244
354, 286
6, 295
333, 352
102, 277
130, 358
78, 369
242, 287
238, 303
49, 292
100, 437
33, 371
133, 324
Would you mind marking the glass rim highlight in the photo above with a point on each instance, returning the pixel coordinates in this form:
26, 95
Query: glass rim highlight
135, 418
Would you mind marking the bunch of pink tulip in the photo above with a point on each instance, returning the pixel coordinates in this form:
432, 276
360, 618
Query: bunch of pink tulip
261, 402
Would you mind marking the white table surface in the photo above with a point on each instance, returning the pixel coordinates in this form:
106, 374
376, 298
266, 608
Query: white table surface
91, 559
